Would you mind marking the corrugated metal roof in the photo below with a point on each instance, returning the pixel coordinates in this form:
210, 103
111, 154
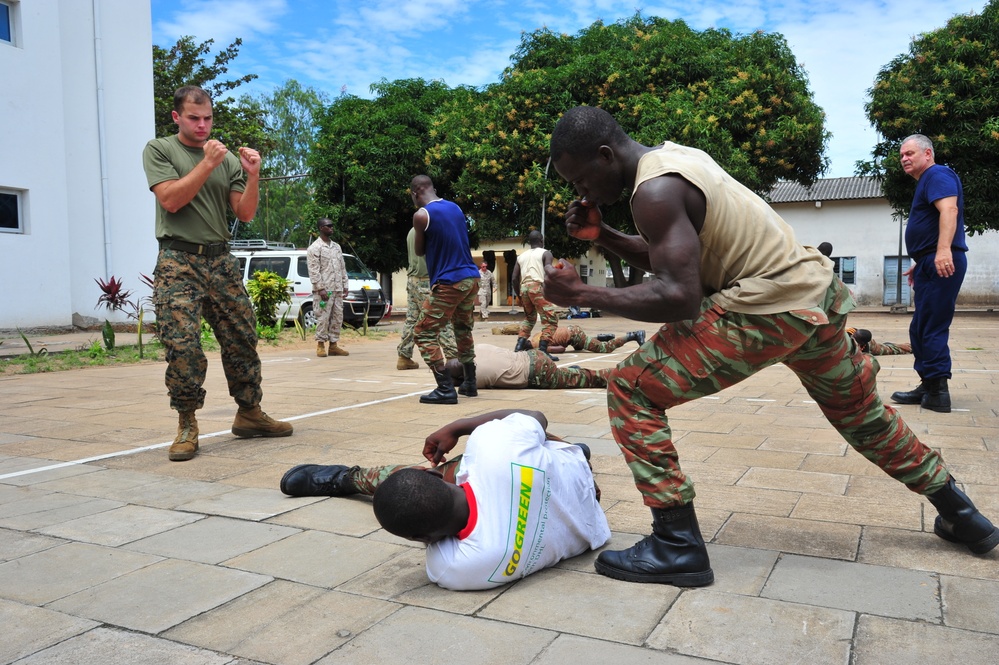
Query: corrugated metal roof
827, 189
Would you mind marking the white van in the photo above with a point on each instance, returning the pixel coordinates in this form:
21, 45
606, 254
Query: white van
364, 297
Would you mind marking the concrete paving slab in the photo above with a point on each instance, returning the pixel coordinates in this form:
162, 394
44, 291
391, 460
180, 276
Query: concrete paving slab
882, 641
212, 539
120, 525
970, 604
925, 551
246, 503
754, 631
15, 544
429, 636
284, 622
804, 481
51, 508
880, 590
348, 516
584, 651
316, 558
23, 636
587, 604
107, 646
160, 596
66, 569
825, 539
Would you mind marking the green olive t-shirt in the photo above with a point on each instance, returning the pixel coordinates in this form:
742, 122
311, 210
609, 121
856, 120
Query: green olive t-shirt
205, 219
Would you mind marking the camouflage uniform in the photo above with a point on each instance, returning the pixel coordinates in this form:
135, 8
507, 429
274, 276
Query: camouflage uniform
546, 374
417, 293
454, 303
532, 298
188, 287
690, 359
577, 338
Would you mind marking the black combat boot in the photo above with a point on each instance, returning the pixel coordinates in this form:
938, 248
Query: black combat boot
444, 393
318, 480
468, 387
605, 337
937, 397
960, 522
543, 348
914, 396
522, 344
636, 336
674, 554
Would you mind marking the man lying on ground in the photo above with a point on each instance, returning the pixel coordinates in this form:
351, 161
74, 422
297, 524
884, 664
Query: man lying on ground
517, 501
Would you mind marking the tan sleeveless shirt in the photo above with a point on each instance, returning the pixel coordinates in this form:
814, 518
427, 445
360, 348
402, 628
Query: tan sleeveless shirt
750, 260
532, 265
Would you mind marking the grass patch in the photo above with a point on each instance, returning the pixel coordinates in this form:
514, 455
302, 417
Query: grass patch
91, 356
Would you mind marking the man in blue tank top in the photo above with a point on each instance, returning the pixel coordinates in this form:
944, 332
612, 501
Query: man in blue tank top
442, 238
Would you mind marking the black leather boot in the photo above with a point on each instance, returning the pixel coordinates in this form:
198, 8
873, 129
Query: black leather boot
914, 396
318, 480
444, 393
605, 337
674, 554
960, 522
543, 348
468, 387
636, 336
937, 397
522, 344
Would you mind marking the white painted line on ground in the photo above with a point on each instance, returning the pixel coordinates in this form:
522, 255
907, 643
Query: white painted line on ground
132, 451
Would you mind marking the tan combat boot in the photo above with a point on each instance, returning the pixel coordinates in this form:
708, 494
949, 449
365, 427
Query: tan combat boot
406, 363
321, 349
254, 422
337, 350
185, 446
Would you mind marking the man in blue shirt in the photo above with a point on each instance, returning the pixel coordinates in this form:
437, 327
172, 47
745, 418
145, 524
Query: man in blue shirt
935, 239
442, 237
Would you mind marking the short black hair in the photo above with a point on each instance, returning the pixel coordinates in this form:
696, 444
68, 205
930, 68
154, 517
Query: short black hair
412, 503
583, 129
190, 93
825, 248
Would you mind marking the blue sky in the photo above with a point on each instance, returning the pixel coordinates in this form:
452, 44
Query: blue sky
333, 45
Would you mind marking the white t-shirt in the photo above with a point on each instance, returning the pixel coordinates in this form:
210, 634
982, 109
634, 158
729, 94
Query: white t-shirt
534, 506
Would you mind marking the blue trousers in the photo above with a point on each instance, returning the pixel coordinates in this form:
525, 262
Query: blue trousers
935, 299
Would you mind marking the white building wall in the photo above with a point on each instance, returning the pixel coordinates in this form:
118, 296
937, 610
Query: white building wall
867, 230
87, 210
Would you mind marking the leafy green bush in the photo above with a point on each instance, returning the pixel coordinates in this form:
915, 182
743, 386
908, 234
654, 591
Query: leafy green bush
267, 290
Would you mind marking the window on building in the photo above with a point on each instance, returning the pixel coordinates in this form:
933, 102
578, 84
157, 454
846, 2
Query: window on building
846, 268
11, 206
8, 21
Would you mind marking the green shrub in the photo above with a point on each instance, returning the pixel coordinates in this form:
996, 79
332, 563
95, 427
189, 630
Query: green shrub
267, 290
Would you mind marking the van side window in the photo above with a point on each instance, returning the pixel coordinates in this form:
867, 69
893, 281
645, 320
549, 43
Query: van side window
303, 266
276, 264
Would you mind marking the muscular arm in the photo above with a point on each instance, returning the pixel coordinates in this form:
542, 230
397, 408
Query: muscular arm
421, 220
515, 279
244, 204
444, 440
669, 211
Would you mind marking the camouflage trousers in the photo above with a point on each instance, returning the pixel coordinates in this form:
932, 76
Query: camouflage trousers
187, 288
690, 359
580, 341
532, 298
544, 373
329, 319
367, 479
876, 348
454, 303
417, 292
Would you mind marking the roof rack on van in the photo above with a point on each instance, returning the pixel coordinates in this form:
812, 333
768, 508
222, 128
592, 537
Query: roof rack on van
258, 243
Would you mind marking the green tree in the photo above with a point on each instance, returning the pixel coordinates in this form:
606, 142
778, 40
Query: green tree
946, 87
234, 123
366, 153
742, 99
292, 115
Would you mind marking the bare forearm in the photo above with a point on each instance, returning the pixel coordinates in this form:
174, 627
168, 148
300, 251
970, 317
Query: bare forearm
246, 209
654, 301
465, 426
175, 194
633, 249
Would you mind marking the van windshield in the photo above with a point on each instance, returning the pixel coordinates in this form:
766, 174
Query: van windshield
356, 269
